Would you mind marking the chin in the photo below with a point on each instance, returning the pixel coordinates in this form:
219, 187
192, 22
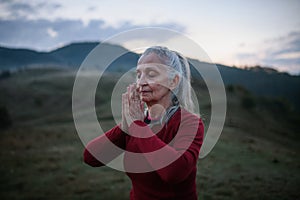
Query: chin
146, 99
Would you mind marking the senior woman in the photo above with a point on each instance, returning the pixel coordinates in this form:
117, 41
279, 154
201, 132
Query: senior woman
167, 124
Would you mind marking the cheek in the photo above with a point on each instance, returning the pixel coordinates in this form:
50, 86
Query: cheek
161, 81
160, 84
159, 90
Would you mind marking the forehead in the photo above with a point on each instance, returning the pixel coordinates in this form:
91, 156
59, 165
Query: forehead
150, 58
151, 61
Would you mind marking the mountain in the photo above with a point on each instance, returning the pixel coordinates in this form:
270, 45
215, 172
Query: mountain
258, 80
264, 82
16, 58
74, 54
71, 56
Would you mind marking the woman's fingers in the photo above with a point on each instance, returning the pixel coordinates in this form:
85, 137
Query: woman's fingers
124, 121
128, 90
136, 91
123, 103
142, 106
132, 91
128, 115
133, 108
126, 104
136, 110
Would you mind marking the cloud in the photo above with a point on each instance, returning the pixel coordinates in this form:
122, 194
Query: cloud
286, 44
34, 25
11, 9
21, 7
46, 35
293, 55
52, 33
285, 53
282, 53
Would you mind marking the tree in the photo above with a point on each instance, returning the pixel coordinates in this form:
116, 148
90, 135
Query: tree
248, 102
5, 119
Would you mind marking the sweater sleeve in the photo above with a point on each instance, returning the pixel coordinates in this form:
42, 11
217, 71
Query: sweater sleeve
185, 148
102, 150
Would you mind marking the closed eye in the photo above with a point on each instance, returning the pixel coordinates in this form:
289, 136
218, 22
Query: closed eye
152, 73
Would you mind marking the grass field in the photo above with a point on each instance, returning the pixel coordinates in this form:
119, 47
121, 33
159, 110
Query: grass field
256, 157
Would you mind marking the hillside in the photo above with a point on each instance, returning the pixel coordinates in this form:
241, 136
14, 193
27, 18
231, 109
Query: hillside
263, 82
41, 153
70, 56
260, 81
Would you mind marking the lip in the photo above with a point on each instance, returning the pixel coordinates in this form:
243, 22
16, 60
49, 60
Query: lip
145, 92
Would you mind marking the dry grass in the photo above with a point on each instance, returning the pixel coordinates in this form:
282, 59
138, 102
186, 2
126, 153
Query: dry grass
41, 155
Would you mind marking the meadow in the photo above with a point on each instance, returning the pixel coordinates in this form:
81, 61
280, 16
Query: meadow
256, 157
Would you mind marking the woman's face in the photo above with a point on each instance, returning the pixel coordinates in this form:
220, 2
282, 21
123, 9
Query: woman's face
153, 81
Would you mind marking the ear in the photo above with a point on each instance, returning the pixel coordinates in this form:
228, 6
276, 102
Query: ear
174, 82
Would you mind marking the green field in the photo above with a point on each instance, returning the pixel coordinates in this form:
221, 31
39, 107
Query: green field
256, 157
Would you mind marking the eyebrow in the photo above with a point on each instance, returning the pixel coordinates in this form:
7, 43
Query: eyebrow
148, 68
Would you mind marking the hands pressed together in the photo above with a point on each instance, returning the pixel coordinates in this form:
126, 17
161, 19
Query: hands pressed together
132, 107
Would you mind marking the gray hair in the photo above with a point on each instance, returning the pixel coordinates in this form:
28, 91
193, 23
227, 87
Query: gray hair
179, 65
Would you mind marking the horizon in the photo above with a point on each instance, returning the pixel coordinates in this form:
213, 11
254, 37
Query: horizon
233, 33
245, 67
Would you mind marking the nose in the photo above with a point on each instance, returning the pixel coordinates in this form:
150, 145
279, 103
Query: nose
141, 81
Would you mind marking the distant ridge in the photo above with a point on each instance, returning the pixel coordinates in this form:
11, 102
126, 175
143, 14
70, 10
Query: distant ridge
71, 55
259, 80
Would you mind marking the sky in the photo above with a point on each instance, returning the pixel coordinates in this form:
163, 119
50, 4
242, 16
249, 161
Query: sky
232, 32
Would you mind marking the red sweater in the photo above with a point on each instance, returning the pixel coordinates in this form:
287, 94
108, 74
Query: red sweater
175, 181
